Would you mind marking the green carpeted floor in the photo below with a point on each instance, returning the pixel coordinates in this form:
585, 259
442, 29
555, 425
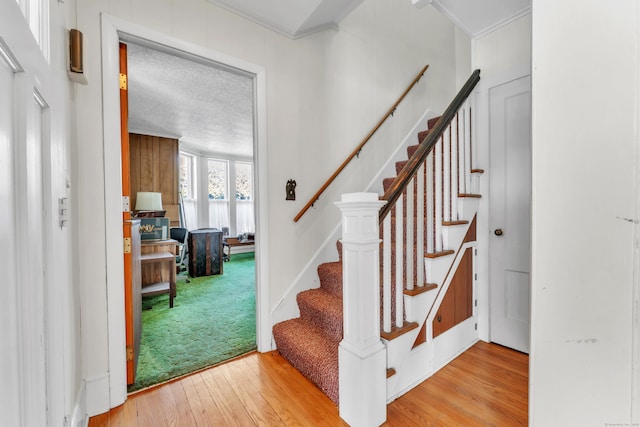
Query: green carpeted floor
213, 319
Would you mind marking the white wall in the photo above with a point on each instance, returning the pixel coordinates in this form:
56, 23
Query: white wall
585, 213
324, 93
463, 57
501, 51
502, 55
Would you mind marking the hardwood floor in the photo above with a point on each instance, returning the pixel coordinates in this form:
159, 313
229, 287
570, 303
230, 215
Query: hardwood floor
485, 386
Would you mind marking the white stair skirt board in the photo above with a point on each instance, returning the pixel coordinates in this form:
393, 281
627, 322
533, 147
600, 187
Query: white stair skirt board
420, 363
454, 342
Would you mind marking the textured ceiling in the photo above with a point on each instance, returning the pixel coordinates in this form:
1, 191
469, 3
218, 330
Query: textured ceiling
209, 109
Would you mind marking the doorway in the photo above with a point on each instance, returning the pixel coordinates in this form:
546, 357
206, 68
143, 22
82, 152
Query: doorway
510, 213
114, 31
190, 132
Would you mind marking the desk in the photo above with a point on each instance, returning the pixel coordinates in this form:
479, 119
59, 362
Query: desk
158, 262
231, 242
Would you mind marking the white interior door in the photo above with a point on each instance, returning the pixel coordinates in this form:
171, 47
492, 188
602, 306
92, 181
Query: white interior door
510, 212
9, 358
24, 144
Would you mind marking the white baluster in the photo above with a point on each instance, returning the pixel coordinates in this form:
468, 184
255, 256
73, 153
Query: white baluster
399, 251
446, 174
386, 274
455, 168
410, 239
438, 196
420, 208
430, 202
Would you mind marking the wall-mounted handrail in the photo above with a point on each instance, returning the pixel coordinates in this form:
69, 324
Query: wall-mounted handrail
396, 189
355, 152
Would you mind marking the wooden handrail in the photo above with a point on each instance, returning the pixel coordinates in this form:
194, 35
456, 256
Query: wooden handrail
359, 147
394, 192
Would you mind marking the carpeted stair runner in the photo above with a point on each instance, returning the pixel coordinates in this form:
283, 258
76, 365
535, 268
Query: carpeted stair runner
310, 342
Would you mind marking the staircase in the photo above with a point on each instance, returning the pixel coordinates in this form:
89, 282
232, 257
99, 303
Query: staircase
419, 255
310, 342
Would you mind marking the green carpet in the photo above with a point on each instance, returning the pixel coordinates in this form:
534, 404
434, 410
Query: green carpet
213, 319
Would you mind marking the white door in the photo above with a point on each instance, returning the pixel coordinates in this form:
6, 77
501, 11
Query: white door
9, 359
510, 212
24, 179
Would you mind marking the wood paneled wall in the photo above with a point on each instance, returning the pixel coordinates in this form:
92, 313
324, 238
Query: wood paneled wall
154, 167
457, 304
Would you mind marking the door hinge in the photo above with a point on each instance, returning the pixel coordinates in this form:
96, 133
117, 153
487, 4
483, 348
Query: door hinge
126, 204
475, 303
127, 245
123, 81
129, 353
475, 251
475, 276
476, 326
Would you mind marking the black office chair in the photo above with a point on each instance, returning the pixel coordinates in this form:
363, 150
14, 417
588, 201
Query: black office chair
180, 234
226, 249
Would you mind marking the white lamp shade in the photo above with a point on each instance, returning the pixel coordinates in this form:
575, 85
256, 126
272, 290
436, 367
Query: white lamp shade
147, 201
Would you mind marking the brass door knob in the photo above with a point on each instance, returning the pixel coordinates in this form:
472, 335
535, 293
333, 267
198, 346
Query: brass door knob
498, 232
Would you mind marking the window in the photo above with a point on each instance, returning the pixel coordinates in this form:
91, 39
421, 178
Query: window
187, 188
244, 181
217, 177
218, 189
36, 13
245, 222
217, 193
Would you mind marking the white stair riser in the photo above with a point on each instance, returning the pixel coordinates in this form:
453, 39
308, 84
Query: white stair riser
436, 268
467, 207
452, 235
475, 183
417, 307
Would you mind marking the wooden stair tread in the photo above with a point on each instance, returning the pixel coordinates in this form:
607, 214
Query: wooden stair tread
417, 290
475, 196
396, 332
390, 372
459, 222
477, 170
438, 254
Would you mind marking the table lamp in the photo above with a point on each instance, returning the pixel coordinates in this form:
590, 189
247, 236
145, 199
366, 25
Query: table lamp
148, 205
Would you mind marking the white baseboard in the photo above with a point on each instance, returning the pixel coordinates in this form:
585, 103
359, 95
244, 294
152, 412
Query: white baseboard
79, 417
97, 395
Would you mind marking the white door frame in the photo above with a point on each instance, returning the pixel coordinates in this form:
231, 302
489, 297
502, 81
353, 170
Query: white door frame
482, 159
508, 330
114, 30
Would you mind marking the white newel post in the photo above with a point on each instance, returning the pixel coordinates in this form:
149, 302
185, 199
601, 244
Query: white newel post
362, 357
